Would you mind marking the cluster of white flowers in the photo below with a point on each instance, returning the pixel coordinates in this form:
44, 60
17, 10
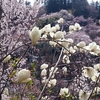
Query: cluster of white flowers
93, 48
92, 72
74, 27
80, 46
52, 71
48, 30
57, 38
44, 70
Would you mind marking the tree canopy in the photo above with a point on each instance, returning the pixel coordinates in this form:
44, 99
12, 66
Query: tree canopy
77, 7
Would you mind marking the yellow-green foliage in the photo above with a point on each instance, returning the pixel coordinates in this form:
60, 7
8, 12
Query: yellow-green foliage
71, 11
42, 22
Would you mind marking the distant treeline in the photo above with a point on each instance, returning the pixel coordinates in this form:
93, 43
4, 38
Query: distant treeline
76, 7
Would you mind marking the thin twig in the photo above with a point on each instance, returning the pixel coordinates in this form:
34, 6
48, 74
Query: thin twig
39, 98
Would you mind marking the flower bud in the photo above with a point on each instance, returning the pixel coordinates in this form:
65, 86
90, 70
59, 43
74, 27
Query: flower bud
23, 76
7, 59
34, 35
44, 66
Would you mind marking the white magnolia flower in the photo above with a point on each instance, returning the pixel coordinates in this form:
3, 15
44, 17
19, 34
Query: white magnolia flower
44, 66
64, 32
52, 43
74, 27
57, 27
45, 98
59, 35
53, 29
61, 20
49, 85
44, 37
97, 67
43, 72
77, 27
53, 75
7, 59
64, 43
34, 35
23, 76
64, 70
47, 28
54, 70
71, 29
69, 40
52, 34
96, 91
83, 95
93, 48
44, 80
95, 77
89, 72
81, 44
64, 91
53, 82
72, 50
65, 59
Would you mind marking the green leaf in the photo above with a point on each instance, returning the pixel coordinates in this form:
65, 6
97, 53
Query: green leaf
12, 74
16, 98
32, 97
30, 82
16, 59
14, 65
33, 65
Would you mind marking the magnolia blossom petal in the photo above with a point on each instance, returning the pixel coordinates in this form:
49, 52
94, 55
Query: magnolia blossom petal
23, 76
53, 82
83, 95
59, 35
54, 29
77, 27
43, 72
97, 67
44, 66
57, 27
52, 34
89, 72
52, 43
64, 91
64, 70
34, 35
